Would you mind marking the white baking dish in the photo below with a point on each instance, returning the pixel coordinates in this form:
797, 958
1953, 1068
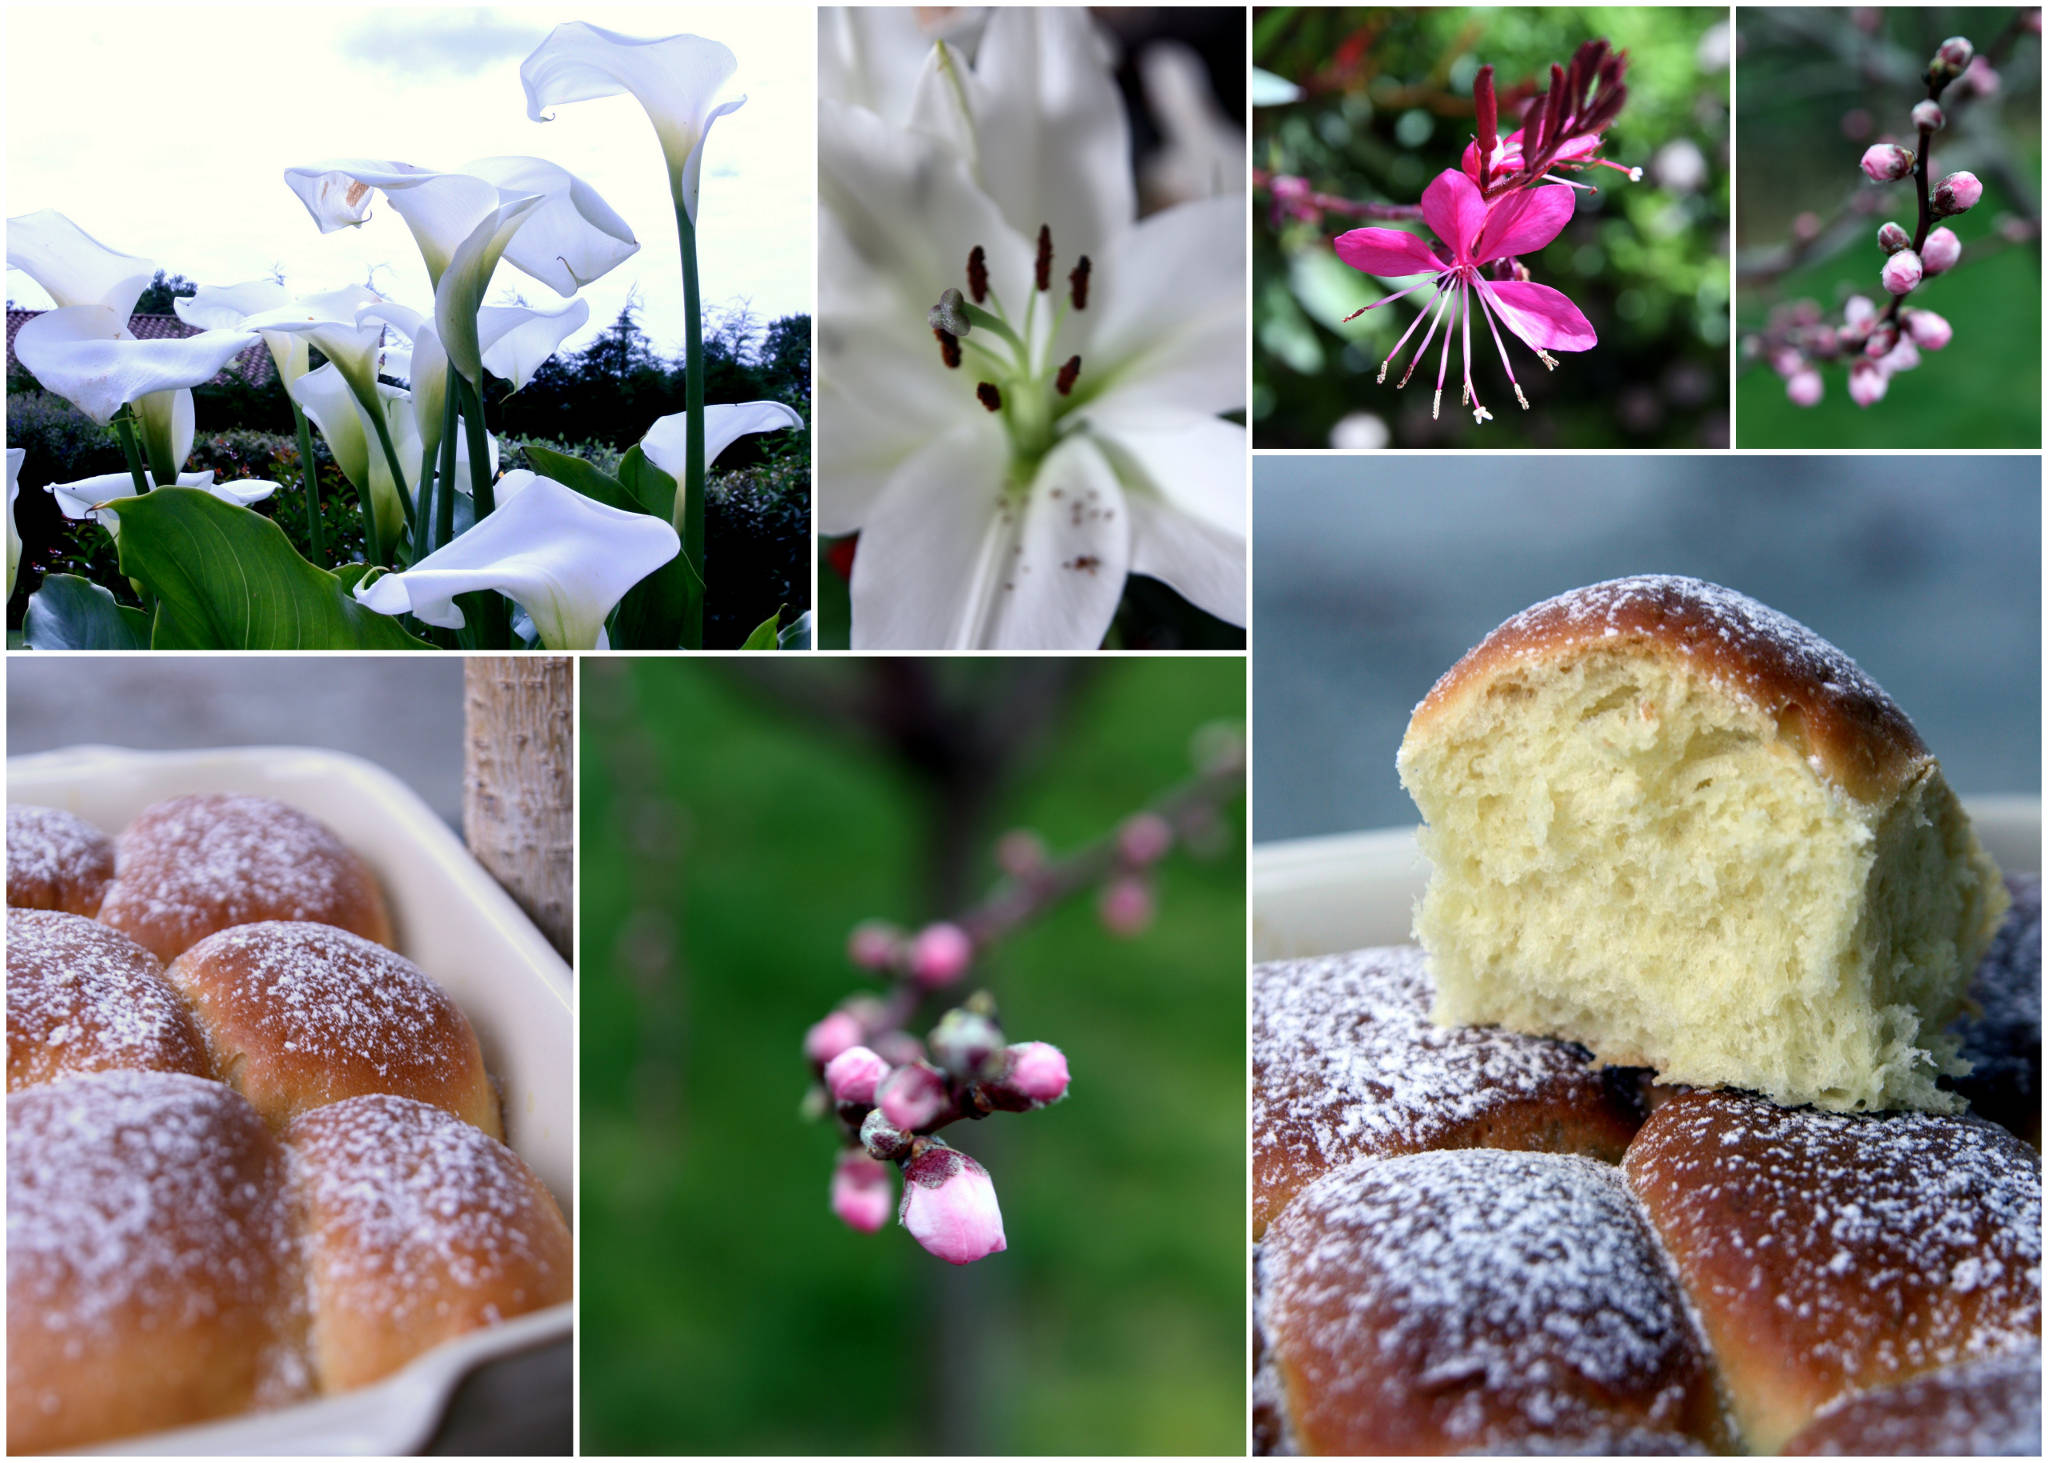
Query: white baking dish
457, 925
1319, 896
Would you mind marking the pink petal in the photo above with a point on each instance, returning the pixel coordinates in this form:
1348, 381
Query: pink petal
1389, 253
1452, 206
1584, 144
1541, 316
1524, 222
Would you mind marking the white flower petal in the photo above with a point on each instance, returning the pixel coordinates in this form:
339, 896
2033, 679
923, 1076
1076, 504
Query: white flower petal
870, 56
345, 324
676, 79
1184, 480
566, 559
460, 294
228, 307
339, 193
723, 425
517, 341
15, 457
73, 266
326, 398
168, 424
1171, 331
574, 236
78, 353
81, 499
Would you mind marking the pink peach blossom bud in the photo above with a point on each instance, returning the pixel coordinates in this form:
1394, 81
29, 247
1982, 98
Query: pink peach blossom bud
1858, 310
860, 1191
874, 944
964, 1040
1787, 361
1980, 78
882, 1138
851, 1076
1805, 387
1927, 116
940, 955
1020, 853
1957, 193
949, 1206
912, 1096
1929, 331
1901, 272
1954, 54
831, 1036
1867, 382
1886, 162
1941, 251
898, 1048
1893, 237
1903, 356
1883, 337
1039, 1071
1144, 839
1126, 906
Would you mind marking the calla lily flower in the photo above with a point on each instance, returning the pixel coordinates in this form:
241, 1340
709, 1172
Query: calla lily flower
565, 559
229, 307
84, 498
342, 323
517, 340
85, 354
15, 457
676, 79
723, 425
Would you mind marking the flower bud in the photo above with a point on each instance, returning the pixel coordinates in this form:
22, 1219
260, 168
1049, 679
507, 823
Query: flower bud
1957, 193
1126, 906
882, 1138
851, 1076
1020, 853
1901, 272
1804, 387
1953, 55
898, 1048
1787, 361
873, 944
1858, 310
831, 1036
1941, 251
949, 1206
860, 1191
1866, 383
1038, 1070
1927, 116
912, 1096
1886, 162
1903, 356
940, 955
964, 1040
1144, 839
1929, 331
1893, 237
1881, 340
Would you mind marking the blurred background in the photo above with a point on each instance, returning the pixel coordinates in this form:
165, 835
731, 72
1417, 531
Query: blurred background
1365, 595
1381, 102
1820, 86
737, 822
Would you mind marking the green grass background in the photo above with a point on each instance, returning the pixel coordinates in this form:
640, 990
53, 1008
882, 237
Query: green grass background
724, 1309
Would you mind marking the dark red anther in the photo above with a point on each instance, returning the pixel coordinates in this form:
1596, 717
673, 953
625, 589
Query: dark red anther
1077, 282
949, 348
1044, 257
977, 275
1064, 382
988, 396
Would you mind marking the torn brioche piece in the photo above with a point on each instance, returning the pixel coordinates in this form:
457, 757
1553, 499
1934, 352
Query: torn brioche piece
1677, 827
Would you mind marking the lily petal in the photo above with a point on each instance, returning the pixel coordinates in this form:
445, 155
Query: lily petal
676, 79
1541, 316
168, 421
325, 397
346, 324
78, 352
1388, 253
1451, 205
227, 307
81, 499
516, 340
1184, 482
566, 559
460, 294
15, 457
573, 237
73, 266
723, 425
1524, 221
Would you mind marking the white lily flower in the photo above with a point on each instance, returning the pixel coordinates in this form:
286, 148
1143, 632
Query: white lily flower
564, 558
1202, 151
15, 457
723, 425
346, 324
86, 355
518, 340
676, 80
1005, 483
229, 307
872, 55
86, 497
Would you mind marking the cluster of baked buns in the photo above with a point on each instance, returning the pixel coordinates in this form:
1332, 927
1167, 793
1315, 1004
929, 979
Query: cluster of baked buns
253, 1154
1704, 1118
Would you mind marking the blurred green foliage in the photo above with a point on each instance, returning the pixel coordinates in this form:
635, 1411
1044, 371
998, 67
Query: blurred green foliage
1386, 105
1819, 86
728, 846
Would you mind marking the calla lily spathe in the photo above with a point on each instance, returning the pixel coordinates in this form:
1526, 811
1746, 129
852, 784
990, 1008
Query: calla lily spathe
84, 498
15, 457
86, 355
676, 80
723, 426
229, 307
566, 559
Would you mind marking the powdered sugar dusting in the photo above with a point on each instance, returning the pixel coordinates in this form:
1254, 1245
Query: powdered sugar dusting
56, 860
1501, 1294
1987, 1409
82, 998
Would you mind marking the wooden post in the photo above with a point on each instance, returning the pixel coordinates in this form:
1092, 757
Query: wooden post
518, 783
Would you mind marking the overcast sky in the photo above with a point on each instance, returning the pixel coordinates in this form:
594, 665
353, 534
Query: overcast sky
165, 131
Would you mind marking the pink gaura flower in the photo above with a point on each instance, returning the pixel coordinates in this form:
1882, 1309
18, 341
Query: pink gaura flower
1474, 235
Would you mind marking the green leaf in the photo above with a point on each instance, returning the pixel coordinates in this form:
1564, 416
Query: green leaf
226, 578
70, 613
764, 636
650, 617
655, 489
574, 472
796, 635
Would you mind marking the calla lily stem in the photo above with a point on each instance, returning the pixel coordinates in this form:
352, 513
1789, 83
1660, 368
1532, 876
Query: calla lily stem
689, 511
495, 627
124, 424
312, 485
444, 505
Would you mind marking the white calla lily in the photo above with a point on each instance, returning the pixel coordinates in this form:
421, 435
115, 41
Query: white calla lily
723, 425
85, 354
676, 80
73, 266
517, 340
229, 307
340, 322
86, 497
325, 397
15, 457
565, 559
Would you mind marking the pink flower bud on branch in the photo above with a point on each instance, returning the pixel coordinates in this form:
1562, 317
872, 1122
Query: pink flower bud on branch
1144, 839
860, 1191
1957, 193
1866, 383
1929, 330
1886, 162
964, 1040
1893, 237
1953, 56
898, 1048
1927, 116
882, 1138
851, 1076
1901, 272
949, 1206
874, 944
828, 1038
1126, 906
1804, 387
1941, 251
1883, 337
912, 1096
1038, 1070
940, 955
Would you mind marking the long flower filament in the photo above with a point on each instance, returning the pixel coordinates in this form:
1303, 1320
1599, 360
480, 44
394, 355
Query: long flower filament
1453, 289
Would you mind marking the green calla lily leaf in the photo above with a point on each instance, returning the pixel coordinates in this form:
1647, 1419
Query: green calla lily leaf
765, 633
70, 613
226, 578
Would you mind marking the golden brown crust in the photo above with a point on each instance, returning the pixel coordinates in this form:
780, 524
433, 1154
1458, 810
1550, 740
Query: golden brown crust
1853, 734
85, 998
56, 860
1987, 1409
298, 1015
196, 865
1827, 1253
419, 1228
